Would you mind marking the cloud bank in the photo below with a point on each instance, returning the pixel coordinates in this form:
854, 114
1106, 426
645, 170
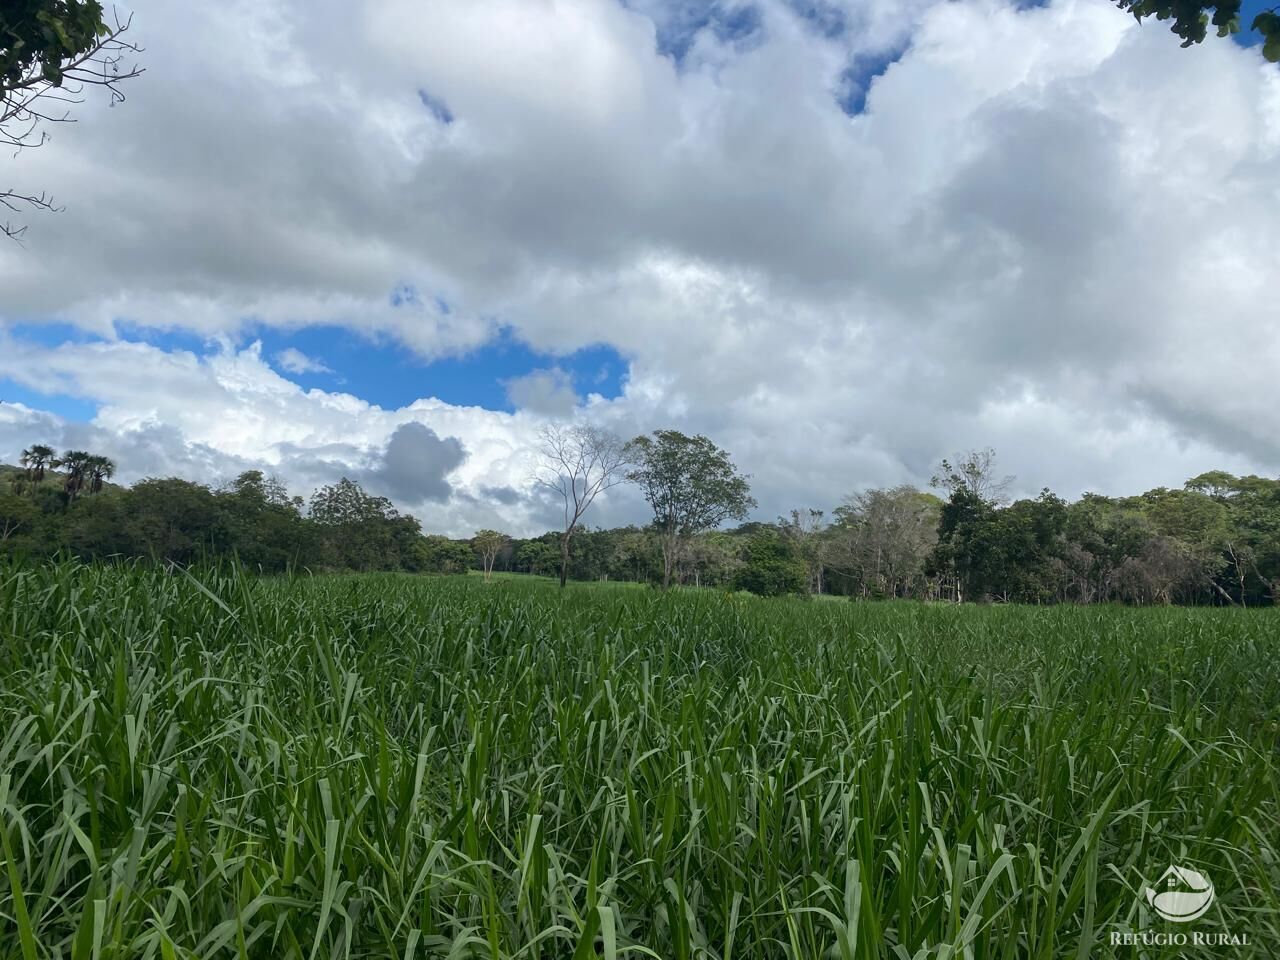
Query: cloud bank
1048, 230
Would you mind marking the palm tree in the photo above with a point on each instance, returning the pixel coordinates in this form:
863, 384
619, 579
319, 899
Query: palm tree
100, 469
76, 463
35, 458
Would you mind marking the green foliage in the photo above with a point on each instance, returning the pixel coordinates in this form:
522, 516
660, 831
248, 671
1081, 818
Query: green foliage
262, 524
442, 555
963, 520
208, 765
881, 541
1191, 20
1267, 23
690, 483
180, 521
772, 567
42, 34
18, 518
358, 531
50, 51
36, 459
1215, 541
487, 543
635, 555
692, 486
489, 540
538, 557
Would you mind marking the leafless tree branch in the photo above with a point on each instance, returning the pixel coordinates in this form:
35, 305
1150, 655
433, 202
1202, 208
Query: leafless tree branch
15, 201
34, 99
578, 463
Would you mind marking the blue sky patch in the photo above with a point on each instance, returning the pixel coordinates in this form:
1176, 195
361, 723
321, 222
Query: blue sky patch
825, 18
436, 107
67, 407
51, 334
377, 369
166, 340
1248, 10
382, 371
855, 81
733, 23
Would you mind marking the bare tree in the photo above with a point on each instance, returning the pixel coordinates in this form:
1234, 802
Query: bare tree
805, 528
49, 54
1162, 568
488, 543
578, 463
883, 538
1244, 561
975, 473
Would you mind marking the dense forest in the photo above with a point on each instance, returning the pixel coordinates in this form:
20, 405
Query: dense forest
1215, 540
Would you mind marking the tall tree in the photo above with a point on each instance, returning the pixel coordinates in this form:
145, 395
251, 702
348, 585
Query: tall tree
488, 543
174, 520
959, 555
1018, 551
771, 566
36, 458
99, 470
50, 51
578, 463
1250, 535
76, 464
712, 559
882, 538
974, 472
442, 555
635, 554
1202, 538
537, 557
358, 530
804, 529
264, 524
255, 487
692, 486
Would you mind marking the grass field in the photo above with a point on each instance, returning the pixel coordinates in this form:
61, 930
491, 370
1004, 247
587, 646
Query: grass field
384, 766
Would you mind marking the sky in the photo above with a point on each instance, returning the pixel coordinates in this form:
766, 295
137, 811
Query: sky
842, 238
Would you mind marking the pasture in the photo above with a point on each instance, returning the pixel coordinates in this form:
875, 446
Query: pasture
209, 765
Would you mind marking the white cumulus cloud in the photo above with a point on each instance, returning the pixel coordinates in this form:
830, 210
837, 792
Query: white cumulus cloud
1051, 230
293, 360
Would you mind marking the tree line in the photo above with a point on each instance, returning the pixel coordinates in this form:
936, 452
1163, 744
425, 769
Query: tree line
1215, 540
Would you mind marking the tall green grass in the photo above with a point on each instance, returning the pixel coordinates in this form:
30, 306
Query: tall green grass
215, 766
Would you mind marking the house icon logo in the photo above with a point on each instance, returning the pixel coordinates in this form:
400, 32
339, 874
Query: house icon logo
1181, 895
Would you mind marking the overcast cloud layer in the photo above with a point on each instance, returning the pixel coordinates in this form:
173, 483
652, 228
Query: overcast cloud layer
1051, 231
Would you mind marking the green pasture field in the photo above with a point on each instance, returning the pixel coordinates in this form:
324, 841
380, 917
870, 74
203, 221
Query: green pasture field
210, 765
